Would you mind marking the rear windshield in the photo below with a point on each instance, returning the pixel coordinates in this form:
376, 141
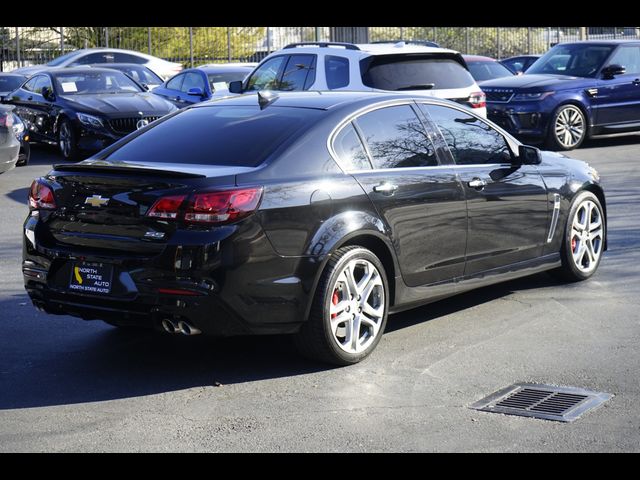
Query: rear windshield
218, 135
391, 72
9, 84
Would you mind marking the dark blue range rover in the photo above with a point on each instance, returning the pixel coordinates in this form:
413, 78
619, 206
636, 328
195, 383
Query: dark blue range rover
574, 91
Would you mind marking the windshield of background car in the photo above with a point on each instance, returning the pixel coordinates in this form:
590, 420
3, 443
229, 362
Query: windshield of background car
58, 60
487, 70
582, 60
218, 135
85, 83
402, 72
8, 84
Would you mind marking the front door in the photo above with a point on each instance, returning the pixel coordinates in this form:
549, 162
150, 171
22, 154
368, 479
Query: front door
508, 211
618, 99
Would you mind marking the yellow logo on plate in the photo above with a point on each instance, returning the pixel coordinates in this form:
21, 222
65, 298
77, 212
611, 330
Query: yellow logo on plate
76, 271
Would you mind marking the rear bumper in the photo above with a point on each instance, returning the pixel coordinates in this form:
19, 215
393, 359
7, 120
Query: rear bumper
9, 155
237, 285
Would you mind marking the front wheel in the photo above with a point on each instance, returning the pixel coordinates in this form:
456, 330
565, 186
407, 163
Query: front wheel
68, 140
568, 128
349, 311
584, 238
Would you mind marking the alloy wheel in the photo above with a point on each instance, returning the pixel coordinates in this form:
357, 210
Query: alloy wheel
569, 126
65, 139
587, 235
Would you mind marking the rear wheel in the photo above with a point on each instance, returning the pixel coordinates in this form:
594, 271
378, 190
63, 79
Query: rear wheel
584, 239
349, 310
68, 140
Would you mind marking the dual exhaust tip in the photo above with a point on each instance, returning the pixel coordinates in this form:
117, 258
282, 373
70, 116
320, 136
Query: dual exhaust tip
182, 327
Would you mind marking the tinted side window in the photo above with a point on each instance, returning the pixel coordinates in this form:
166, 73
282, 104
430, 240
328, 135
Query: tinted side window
192, 80
470, 140
298, 73
102, 57
42, 81
337, 71
31, 84
393, 72
266, 76
350, 151
176, 82
396, 138
628, 57
127, 58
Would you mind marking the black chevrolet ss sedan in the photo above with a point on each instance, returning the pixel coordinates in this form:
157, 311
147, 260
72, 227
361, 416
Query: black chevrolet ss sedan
84, 109
306, 213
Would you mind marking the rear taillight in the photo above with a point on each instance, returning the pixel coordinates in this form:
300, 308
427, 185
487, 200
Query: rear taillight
41, 197
219, 207
166, 208
6, 120
478, 100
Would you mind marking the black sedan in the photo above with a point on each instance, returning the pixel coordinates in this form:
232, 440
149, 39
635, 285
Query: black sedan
84, 108
311, 213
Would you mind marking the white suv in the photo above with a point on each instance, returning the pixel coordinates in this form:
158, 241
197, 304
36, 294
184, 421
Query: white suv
397, 66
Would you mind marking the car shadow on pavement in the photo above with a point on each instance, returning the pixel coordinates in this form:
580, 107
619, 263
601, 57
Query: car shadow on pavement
53, 360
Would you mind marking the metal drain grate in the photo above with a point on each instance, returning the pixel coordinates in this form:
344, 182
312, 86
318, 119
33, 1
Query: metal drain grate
564, 404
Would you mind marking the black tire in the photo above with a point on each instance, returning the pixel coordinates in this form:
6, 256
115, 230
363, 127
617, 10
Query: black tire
315, 339
569, 114
24, 156
68, 140
569, 271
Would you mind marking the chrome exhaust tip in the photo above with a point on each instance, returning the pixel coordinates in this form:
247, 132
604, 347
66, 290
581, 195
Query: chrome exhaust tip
169, 327
187, 329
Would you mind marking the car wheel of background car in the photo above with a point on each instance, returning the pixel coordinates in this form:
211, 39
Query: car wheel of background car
584, 239
24, 156
349, 310
568, 128
68, 140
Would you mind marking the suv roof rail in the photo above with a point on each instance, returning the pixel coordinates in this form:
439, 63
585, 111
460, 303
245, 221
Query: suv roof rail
347, 46
424, 43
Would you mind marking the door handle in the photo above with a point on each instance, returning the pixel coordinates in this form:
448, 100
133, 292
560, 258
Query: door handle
636, 81
477, 183
385, 188
29, 98
178, 99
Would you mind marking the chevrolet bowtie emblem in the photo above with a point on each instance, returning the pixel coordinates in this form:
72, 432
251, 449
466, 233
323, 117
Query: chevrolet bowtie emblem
96, 200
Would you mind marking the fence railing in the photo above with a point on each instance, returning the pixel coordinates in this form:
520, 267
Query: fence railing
21, 46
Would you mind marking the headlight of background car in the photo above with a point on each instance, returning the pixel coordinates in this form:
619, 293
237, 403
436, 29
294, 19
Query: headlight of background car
90, 120
18, 127
521, 97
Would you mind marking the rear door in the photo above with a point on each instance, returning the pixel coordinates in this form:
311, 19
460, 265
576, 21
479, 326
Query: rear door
420, 200
507, 204
618, 98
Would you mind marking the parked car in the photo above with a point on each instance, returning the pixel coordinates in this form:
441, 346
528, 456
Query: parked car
520, 63
574, 91
208, 221
88, 56
22, 134
84, 108
141, 74
9, 82
485, 68
202, 83
9, 144
418, 69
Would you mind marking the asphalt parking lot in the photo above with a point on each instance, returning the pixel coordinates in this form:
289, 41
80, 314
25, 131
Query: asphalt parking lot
71, 385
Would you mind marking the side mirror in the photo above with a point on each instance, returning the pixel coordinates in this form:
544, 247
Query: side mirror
611, 71
528, 155
235, 86
48, 94
196, 91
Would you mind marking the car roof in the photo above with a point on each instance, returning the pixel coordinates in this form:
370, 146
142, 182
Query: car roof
321, 100
478, 58
83, 69
538, 55
400, 47
600, 42
10, 74
362, 49
218, 69
224, 66
116, 64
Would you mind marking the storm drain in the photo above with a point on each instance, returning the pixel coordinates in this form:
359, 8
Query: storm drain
563, 404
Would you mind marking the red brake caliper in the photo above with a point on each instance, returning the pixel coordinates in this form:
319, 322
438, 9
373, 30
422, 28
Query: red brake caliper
573, 244
334, 300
